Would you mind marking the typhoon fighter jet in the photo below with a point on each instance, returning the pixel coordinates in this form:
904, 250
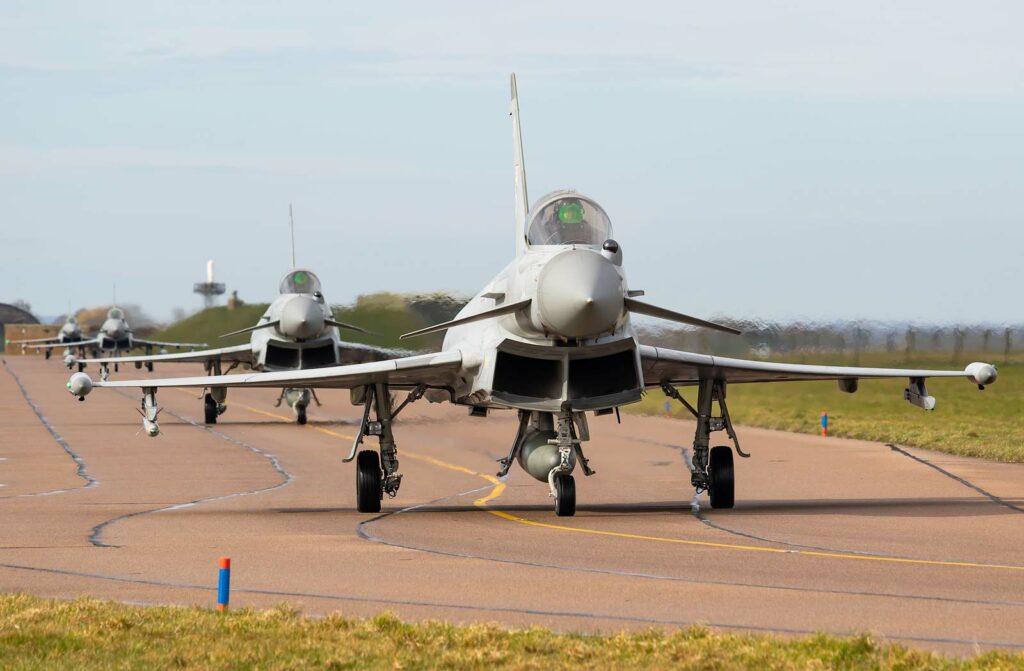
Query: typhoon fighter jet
550, 337
298, 331
115, 336
70, 333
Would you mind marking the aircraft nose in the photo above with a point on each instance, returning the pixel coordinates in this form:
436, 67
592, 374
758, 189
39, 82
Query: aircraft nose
112, 327
301, 318
579, 294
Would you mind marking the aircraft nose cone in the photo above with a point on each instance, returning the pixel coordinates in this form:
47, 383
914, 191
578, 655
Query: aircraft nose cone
112, 328
301, 318
579, 294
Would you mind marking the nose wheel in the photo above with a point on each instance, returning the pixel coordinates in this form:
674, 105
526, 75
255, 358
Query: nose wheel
565, 495
300, 414
721, 479
369, 482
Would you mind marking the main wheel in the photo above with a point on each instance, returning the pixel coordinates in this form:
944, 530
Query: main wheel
117, 368
209, 409
149, 366
47, 354
565, 495
722, 482
369, 489
300, 415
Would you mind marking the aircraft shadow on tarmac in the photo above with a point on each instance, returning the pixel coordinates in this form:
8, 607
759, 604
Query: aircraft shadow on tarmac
918, 507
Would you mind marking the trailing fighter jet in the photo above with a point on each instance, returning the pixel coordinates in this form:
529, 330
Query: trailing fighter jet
551, 338
114, 336
297, 332
70, 332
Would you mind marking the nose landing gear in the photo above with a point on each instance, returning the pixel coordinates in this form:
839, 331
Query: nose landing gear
565, 495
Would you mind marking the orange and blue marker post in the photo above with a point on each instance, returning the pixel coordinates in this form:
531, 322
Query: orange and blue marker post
824, 424
224, 584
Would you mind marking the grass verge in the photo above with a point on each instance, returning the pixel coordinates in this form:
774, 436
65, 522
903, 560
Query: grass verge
89, 634
966, 421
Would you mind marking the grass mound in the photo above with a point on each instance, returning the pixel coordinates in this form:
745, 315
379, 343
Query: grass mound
89, 634
386, 316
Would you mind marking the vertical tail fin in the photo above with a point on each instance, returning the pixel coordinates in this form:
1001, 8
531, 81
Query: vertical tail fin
519, 168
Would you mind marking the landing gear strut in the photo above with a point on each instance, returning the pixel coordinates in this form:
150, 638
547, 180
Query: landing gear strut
713, 470
377, 475
563, 486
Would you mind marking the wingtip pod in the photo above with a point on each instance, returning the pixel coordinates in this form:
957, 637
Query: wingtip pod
981, 373
80, 385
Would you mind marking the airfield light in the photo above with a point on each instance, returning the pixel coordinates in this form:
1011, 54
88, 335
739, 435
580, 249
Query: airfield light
570, 213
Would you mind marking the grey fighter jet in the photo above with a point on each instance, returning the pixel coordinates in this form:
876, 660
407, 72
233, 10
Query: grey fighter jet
115, 336
550, 337
70, 333
297, 332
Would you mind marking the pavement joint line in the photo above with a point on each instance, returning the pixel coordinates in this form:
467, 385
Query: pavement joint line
509, 609
96, 535
963, 481
499, 489
81, 470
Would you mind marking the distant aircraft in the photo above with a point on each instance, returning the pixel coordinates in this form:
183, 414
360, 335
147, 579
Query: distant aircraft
70, 332
114, 336
550, 337
297, 332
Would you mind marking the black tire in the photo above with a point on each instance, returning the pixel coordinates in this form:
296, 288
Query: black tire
117, 368
149, 366
300, 414
721, 478
81, 367
369, 482
47, 353
209, 410
138, 365
565, 495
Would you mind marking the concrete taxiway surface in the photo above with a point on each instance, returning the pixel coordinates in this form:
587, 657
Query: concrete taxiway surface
827, 534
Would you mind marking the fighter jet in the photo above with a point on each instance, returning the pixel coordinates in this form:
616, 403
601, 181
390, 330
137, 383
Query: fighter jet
114, 336
297, 332
70, 332
550, 337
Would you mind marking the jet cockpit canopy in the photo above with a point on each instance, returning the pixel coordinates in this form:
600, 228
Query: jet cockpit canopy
300, 281
115, 313
568, 218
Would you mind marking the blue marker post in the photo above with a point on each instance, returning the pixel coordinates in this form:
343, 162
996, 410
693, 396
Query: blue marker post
824, 424
224, 584
668, 409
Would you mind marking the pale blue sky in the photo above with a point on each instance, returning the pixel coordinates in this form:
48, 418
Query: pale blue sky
758, 159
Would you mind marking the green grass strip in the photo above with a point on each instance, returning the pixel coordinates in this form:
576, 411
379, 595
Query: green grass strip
89, 634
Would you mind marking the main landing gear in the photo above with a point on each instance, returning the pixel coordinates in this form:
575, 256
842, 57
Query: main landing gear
713, 469
377, 473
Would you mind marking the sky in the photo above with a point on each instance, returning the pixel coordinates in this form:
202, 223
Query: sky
811, 160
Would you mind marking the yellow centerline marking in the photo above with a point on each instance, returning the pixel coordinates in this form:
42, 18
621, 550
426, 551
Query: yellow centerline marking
499, 488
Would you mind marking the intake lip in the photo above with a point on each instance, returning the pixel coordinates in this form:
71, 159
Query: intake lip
579, 294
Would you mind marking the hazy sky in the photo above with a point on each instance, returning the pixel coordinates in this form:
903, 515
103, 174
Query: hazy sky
776, 160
